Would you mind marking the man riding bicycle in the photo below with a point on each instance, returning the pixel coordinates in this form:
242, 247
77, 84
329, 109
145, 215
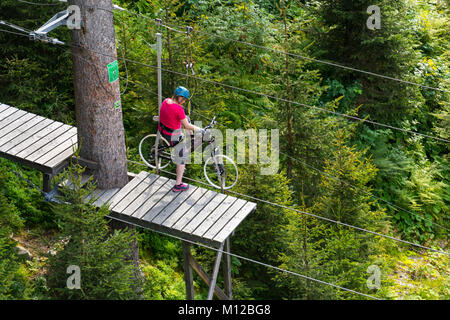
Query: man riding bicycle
171, 118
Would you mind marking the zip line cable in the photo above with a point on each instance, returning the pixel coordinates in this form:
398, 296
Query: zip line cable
330, 220
334, 64
254, 261
208, 81
354, 118
295, 102
396, 207
330, 63
362, 190
288, 209
43, 4
307, 213
12, 32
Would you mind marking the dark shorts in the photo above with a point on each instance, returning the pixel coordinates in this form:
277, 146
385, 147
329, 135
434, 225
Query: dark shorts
177, 141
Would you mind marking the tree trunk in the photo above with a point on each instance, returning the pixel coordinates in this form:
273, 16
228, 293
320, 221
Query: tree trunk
100, 126
101, 133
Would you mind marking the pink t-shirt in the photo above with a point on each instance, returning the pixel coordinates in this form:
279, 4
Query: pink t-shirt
171, 115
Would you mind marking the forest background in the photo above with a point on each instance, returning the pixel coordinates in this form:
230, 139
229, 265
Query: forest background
377, 178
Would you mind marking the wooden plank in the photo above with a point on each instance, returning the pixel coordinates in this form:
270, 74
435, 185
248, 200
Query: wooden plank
43, 141
127, 189
227, 286
202, 215
212, 285
47, 127
193, 211
56, 145
6, 111
63, 156
3, 107
160, 228
58, 153
18, 131
24, 133
161, 205
13, 126
8, 114
150, 203
206, 278
173, 205
185, 206
228, 215
106, 196
232, 224
139, 198
137, 188
16, 114
188, 278
15, 129
94, 195
213, 216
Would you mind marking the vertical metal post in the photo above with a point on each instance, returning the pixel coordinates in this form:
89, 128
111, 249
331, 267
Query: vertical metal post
159, 53
158, 56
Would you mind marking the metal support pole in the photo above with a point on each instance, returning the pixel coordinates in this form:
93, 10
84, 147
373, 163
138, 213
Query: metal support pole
158, 55
188, 278
212, 285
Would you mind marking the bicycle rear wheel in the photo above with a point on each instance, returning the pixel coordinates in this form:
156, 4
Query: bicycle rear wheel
147, 151
221, 172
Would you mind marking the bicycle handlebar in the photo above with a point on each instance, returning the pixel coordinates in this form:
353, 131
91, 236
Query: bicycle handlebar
211, 124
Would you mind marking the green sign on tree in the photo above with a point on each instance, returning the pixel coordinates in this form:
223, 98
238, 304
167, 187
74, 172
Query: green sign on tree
113, 71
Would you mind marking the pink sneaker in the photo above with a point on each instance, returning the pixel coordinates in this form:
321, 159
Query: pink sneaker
180, 187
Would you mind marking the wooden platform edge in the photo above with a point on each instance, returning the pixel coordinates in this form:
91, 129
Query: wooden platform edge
163, 229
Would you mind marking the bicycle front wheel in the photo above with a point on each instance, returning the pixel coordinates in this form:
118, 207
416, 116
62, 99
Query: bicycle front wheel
221, 172
148, 155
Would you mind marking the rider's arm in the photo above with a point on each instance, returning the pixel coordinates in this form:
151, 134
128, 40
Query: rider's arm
189, 126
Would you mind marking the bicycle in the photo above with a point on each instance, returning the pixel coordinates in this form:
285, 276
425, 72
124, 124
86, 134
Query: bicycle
217, 166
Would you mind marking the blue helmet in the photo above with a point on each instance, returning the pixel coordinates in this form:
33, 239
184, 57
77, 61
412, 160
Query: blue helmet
182, 91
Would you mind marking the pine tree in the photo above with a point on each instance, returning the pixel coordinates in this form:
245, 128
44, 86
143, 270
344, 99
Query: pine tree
12, 284
105, 271
335, 253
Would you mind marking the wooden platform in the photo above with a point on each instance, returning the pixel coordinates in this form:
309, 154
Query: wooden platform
198, 214
147, 200
35, 141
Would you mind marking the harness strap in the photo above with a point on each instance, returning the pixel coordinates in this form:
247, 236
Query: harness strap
165, 129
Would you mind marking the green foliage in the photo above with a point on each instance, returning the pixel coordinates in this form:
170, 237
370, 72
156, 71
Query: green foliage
103, 258
163, 282
330, 252
13, 280
24, 77
407, 171
260, 234
25, 197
